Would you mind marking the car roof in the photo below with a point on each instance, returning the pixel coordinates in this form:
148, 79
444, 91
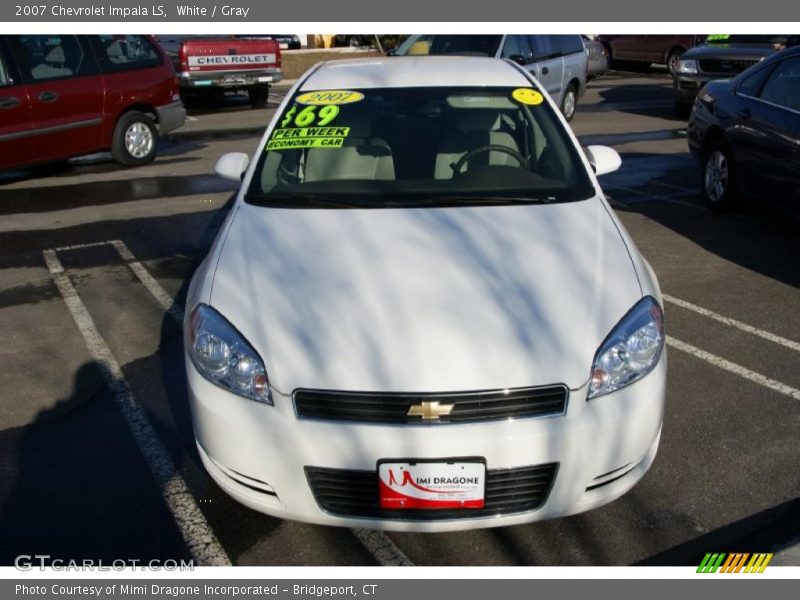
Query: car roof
415, 71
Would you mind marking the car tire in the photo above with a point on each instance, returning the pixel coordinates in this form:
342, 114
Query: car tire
682, 109
258, 96
135, 139
673, 58
569, 102
718, 176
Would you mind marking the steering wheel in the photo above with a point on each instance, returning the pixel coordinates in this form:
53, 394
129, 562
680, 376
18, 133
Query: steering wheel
456, 166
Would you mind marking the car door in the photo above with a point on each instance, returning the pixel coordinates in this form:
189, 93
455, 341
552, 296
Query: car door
66, 93
518, 49
630, 47
548, 64
16, 136
778, 117
767, 133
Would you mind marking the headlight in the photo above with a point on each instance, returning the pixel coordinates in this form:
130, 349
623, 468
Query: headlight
630, 351
224, 357
687, 66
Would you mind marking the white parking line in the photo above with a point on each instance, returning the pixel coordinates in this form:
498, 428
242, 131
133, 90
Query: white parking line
792, 345
379, 545
203, 545
672, 186
155, 289
739, 370
659, 197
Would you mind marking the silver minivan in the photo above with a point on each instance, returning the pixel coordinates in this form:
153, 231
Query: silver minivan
558, 62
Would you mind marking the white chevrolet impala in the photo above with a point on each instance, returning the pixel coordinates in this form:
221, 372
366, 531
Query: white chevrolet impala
421, 313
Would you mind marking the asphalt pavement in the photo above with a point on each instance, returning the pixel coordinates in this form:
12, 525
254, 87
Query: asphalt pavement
97, 457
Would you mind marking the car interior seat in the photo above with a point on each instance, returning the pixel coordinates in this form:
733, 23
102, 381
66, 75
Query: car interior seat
359, 158
54, 65
473, 128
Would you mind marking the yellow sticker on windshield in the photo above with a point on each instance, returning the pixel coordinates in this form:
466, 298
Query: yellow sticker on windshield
325, 97
527, 96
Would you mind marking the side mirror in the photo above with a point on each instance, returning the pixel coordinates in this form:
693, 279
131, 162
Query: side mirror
603, 159
232, 165
391, 52
519, 59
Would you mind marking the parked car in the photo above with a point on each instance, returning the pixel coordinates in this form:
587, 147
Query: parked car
597, 55
648, 48
210, 65
352, 40
66, 95
286, 41
421, 313
720, 57
745, 133
557, 61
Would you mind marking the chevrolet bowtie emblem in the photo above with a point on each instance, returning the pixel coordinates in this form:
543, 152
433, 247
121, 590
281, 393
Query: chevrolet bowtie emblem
430, 410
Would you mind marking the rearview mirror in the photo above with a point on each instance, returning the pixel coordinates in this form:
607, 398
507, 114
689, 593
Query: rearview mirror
603, 159
232, 165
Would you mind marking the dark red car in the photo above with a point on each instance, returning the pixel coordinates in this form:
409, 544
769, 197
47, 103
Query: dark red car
66, 95
649, 48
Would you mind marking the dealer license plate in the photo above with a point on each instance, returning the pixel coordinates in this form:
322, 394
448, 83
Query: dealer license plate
431, 485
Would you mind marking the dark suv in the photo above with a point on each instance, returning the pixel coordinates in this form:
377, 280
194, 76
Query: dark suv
720, 57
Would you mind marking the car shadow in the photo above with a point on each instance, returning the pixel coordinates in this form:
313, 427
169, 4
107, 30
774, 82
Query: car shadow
652, 99
756, 236
759, 532
74, 486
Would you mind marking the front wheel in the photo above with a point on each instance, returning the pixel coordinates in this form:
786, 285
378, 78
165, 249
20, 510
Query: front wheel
719, 177
135, 139
569, 102
258, 96
673, 58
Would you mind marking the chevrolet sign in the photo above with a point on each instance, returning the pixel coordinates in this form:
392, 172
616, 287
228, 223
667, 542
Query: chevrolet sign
232, 59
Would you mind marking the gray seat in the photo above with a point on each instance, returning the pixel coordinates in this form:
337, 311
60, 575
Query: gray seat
473, 128
115, 52
54, 65
359, 158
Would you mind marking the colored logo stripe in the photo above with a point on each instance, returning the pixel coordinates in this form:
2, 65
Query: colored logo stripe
711, 563
734, 562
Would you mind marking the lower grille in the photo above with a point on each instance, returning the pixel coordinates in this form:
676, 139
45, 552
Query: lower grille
725, 66
355, 493
465, 406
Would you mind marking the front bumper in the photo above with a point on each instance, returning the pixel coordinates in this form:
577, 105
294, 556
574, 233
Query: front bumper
685, 87
258, 453
171, 116
229, 79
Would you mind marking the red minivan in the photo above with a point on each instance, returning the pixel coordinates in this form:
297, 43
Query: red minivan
66, 95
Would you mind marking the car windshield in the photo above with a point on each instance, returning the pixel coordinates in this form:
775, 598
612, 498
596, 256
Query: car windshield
463, 45
746, 39
418, 146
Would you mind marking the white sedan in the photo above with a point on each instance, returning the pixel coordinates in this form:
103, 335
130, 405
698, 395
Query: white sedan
421, 314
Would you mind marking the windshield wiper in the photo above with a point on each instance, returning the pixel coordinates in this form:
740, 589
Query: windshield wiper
503, 200
315, 200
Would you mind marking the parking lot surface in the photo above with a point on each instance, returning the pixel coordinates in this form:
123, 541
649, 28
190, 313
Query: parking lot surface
97, 455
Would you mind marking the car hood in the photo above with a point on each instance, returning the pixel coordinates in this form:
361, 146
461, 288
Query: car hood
729, 51
425, 299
